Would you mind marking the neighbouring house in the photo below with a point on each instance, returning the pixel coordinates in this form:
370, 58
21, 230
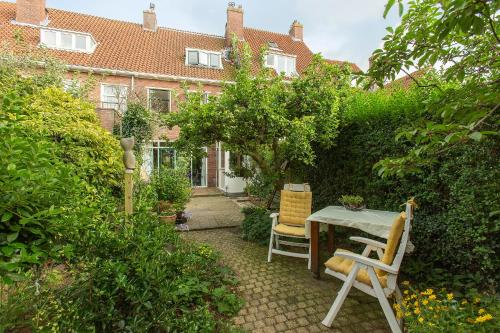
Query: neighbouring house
154, 62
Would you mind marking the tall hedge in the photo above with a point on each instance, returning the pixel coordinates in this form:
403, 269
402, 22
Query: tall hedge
456, 228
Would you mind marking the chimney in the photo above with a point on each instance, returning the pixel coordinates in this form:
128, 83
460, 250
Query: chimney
296, 31
234, 24
149, 18
31, 12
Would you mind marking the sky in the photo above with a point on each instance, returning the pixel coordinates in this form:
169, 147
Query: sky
339, 29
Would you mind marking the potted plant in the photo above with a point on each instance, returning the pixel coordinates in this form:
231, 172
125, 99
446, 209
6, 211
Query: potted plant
352, 202
173, 191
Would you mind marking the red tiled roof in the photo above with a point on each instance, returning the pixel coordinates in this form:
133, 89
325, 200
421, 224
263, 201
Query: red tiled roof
127, 46
353, 66
406, 81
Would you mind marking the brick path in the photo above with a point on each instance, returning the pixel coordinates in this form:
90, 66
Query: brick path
282, 296
210, 212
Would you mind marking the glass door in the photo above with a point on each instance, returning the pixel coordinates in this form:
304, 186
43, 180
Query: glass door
199, 171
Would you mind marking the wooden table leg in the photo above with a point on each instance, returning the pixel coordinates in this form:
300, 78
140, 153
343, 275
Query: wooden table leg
331, 243
315, 249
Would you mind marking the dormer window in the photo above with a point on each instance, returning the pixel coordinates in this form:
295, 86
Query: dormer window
273, 45
281, 63
203, 58
67, 40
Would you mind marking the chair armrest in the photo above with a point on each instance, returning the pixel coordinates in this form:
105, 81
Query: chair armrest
273, 215
366, 261
369, 241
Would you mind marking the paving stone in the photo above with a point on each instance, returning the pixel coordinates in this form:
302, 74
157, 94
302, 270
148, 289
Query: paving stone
282, 296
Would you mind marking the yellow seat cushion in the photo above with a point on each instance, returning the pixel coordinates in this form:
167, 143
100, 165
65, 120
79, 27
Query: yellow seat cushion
284, 229
295, 207
344, 266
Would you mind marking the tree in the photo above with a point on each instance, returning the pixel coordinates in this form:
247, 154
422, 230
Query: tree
272, 120
459, 38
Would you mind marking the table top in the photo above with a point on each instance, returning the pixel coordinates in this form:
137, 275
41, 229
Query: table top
374, 222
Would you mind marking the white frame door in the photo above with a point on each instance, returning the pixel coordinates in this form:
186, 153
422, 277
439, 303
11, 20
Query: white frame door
204, 170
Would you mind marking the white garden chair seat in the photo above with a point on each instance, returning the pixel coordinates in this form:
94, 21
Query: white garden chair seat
288, 230
376, 277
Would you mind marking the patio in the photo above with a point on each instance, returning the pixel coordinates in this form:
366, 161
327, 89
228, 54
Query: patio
283, 296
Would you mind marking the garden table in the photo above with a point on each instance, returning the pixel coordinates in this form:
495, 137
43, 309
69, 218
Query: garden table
374, 222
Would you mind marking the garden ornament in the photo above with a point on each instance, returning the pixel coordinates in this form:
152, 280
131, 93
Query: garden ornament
128, 154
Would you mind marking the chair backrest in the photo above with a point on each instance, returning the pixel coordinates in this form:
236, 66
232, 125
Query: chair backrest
295, 206
407, 216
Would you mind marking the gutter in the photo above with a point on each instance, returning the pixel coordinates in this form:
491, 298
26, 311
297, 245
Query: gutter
143, 75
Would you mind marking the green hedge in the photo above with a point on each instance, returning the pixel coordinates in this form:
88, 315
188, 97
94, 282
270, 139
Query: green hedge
456, 226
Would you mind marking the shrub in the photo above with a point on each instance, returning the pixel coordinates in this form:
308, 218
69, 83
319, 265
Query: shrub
456, 226
143, 278
440, 311
138, 122
173, 188
256, 225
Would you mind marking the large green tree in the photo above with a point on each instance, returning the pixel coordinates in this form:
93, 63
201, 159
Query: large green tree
273, 120
459, 40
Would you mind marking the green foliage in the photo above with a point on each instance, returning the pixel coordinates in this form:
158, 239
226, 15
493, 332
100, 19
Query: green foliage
351, 200
460, 39
262, 116
440, 311
256, 226
138, 122
143, 278
173, 187
456, 225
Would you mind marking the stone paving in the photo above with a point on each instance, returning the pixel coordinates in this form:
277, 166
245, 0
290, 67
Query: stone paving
282, 296
212, 211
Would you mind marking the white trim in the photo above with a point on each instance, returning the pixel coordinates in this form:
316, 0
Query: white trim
103, 84
287, 57
164, 89
142, 75
90, 42
204, 161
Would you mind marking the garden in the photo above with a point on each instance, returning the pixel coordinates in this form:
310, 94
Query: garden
72, 261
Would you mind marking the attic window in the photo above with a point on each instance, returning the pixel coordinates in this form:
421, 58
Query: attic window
273, 45
203, 58
281, 63
67, 40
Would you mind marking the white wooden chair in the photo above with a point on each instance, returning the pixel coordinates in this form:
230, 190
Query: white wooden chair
295, 208
374, 277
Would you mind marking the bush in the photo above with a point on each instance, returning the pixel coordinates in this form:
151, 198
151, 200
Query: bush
143, 278
456, 226
173, 189
138, 122
440, 311
256, 225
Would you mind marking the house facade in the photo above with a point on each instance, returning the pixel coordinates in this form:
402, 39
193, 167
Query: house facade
131, 59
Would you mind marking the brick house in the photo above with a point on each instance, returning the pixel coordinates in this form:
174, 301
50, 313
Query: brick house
153, 62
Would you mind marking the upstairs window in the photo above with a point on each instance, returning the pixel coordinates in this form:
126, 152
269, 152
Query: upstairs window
203, 58
159, 100
114, 97
67, 40
281, 64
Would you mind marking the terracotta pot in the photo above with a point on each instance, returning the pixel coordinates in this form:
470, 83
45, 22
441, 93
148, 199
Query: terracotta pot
168, 218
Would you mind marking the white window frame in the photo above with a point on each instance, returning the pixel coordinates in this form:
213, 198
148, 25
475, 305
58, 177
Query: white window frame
207, 53
288, 60
119, 107
90, 42
148, 90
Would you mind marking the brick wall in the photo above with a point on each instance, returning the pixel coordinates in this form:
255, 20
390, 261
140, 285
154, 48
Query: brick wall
212, 166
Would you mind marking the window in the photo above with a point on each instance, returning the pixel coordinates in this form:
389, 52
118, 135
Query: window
204, 98
203, 58
114, 97
272, 45
159, 100
238, 164
163, 156
281, 63
67, 40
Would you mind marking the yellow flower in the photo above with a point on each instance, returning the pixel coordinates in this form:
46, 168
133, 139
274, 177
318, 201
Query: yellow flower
482, 319
416, 303
481, 311
428, 291
431, 308
406, 283
449, 296
431, 297
464, 302
477, 300
417, 311
425, 302
420, 320
405, 292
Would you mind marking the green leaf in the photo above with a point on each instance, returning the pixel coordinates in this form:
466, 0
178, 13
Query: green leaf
12, 237
476, 136
6, 216
388, 7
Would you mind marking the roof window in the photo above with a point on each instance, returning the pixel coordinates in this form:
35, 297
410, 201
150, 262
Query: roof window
67, 40
203, 58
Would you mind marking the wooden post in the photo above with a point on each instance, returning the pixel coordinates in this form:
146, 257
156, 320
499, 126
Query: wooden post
129, 163
129, 188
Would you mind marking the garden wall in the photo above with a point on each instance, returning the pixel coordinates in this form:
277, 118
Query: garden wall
456, 226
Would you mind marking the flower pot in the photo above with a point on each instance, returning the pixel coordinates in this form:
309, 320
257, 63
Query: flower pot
170, 219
